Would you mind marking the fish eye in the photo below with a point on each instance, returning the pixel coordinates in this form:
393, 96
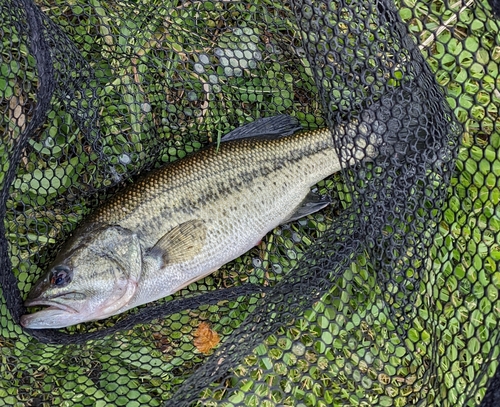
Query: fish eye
60, 276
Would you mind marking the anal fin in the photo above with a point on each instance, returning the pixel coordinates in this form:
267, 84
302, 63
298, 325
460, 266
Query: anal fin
310, 204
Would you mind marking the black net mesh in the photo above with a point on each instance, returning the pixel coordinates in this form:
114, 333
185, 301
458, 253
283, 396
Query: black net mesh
387, 297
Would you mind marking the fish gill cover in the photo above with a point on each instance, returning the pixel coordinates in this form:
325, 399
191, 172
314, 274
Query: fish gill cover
389, 296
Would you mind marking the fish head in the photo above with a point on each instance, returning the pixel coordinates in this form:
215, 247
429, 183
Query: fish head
95, 276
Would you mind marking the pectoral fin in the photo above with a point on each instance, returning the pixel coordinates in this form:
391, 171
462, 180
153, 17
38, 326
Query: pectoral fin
181, 243
310, 204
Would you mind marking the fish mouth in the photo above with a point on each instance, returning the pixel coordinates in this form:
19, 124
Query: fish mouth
52, 305
55, 315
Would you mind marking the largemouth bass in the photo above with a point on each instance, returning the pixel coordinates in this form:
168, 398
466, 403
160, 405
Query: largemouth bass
183, 221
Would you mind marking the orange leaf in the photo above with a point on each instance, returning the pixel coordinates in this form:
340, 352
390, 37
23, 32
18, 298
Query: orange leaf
205, 338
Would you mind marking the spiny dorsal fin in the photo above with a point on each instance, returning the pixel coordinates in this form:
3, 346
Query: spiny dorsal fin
268, 127
181, 243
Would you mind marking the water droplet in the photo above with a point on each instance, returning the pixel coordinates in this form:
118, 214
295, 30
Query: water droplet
125, 159
49, 142
298, 348
257, 262
204, 59
301, 52
199, 68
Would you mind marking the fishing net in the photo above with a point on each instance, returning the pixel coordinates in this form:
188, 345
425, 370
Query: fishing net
387, 297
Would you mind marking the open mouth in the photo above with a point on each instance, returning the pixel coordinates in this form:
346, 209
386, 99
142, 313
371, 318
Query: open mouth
50, 304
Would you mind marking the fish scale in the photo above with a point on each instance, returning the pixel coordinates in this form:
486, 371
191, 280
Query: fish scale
195, 185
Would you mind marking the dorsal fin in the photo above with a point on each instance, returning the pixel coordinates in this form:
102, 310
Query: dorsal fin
268, 127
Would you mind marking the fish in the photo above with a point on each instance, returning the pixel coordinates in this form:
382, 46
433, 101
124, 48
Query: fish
183, 221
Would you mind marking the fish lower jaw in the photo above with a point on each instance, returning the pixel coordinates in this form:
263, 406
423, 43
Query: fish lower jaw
51, 306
